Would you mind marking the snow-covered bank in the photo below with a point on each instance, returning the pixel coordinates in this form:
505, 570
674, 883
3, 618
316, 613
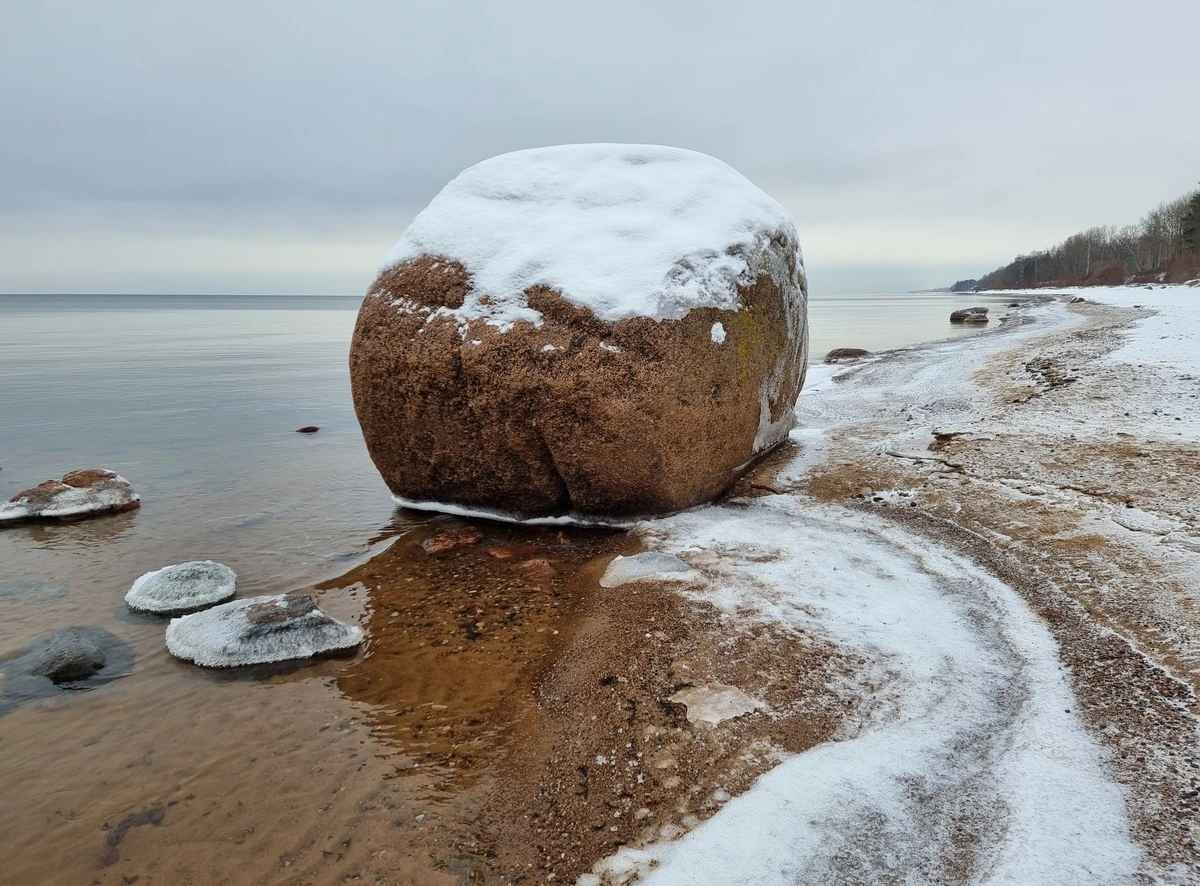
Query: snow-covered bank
985, 758
970, 738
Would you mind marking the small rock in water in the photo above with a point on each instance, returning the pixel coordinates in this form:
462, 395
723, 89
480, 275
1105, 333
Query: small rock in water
259, 630
538, 567
840, 355
650, 565
308, 429
969, 315
55, 661
77, 496
68, 657
509, 552
451, 539
183, 588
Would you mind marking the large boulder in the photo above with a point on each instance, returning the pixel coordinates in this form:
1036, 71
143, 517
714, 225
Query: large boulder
589, 332
77, 496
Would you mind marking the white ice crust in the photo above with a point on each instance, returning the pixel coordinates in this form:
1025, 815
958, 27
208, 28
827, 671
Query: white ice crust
184, 587
648, 566
712, 704
224, 637
625, 230
442, 507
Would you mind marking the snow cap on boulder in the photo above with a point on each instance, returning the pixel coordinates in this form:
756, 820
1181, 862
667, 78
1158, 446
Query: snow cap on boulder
595, 333
622, 230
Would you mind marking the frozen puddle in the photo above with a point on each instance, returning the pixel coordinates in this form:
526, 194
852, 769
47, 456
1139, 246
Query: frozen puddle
969, 767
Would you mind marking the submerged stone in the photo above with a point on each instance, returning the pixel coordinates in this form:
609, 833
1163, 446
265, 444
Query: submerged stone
259, 630
182, 588
55, 662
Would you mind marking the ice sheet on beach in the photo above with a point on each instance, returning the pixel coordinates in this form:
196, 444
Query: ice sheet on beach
625, 230
647, 566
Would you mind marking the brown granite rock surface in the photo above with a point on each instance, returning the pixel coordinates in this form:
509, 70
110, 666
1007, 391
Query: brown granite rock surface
610, 421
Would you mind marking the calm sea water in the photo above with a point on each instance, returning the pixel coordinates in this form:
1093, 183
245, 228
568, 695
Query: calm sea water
195, 399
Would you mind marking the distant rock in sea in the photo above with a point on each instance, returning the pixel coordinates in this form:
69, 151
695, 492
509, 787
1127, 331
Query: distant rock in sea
846, 355
583, 332
969, 315
183, 588
259, 630
77, 496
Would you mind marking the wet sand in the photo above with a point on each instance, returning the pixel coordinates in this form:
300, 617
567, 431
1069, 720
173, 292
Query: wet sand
508, 720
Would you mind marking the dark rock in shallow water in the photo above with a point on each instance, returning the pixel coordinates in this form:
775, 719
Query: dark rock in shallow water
18, 590
259, 630
77, 496
72, 658
68, 658
182, 588
307, 429
969, 315
841, 355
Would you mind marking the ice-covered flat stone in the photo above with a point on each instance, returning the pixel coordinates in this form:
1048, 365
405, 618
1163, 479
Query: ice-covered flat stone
182, 588
259, 630
648, 566
78, 495
712, 704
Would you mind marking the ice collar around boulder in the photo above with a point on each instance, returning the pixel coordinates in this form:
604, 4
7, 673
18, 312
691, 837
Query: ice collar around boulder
182, 588
259, 630
540, 344
77, 496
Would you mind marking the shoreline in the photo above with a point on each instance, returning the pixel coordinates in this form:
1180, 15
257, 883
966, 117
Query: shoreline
975, 560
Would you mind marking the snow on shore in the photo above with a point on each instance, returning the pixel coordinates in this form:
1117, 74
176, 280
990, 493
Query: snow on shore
971, 730
972, 764
625, 230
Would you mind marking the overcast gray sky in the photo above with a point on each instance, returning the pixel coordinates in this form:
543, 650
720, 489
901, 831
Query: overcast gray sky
259, 147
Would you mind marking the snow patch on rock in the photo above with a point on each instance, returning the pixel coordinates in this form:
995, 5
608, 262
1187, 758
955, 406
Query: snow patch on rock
259, 630
624, 230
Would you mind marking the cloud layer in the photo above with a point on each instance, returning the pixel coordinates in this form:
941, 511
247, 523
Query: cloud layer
282, 147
